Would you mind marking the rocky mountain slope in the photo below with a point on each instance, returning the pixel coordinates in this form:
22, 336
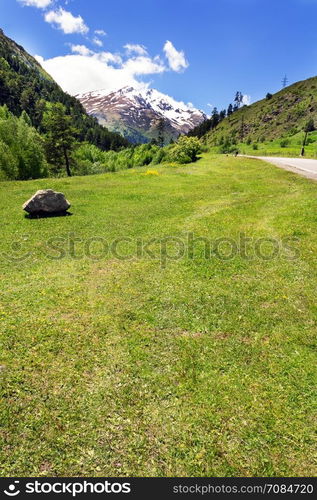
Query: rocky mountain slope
135, 113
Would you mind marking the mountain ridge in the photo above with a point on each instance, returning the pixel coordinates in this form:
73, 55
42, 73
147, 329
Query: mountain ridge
136, 112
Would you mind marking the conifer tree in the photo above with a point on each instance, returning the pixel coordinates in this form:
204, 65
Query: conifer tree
161, 131
60, 135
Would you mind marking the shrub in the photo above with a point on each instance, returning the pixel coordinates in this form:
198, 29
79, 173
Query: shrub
311, 140
186, 150
227, 146
179, 156
204, 148
144, 154
22, 153
88, 159
8, 163
159, 156
284, 143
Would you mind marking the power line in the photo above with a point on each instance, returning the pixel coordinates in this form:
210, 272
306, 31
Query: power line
285, 81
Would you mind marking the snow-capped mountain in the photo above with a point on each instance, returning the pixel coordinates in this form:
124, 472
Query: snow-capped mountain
135, 113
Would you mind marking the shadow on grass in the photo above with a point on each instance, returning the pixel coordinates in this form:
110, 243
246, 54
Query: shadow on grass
45, 215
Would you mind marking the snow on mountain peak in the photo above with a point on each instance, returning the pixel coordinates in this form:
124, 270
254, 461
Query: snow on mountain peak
140, 109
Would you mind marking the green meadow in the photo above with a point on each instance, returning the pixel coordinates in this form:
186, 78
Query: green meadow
166, 328
289, 147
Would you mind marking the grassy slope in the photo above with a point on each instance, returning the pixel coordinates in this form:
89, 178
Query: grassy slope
283, 115
202, 367
290, 147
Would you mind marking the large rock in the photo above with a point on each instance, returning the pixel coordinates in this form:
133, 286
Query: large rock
45, 202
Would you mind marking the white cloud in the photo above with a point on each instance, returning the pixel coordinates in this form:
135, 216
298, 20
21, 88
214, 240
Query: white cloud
108, 57
40, 4
246, 100
143, 65
133, 48
39, 59
100, 32
176, 59
78, 74
81, 49
65, 21
97, 42
87, 70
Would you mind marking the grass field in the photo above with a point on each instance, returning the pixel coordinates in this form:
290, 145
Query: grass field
289, 147
199, 365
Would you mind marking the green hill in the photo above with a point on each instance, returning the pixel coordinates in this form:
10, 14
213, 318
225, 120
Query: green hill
25, 86
282, 115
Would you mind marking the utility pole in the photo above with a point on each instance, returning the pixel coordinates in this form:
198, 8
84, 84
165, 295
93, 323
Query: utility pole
302, 153
242, 129
285, 81
309, 127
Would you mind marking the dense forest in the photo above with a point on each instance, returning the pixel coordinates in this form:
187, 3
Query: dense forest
25, 88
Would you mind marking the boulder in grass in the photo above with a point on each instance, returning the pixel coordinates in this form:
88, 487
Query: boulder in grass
46, 202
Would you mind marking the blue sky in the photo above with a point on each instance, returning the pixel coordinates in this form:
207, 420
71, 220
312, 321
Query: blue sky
199, 51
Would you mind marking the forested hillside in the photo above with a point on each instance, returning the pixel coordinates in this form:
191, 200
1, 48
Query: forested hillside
277, 116
26, 87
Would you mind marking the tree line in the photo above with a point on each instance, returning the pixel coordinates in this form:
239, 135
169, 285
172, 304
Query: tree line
27, 154
216, 117
25, 86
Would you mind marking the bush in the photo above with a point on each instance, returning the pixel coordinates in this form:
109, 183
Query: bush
311, 140
88, 159
204, 148
284, 143
144, 154
179, 156
186, 150
227, 146
255, 147
159, 156
8, 163
22, 153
